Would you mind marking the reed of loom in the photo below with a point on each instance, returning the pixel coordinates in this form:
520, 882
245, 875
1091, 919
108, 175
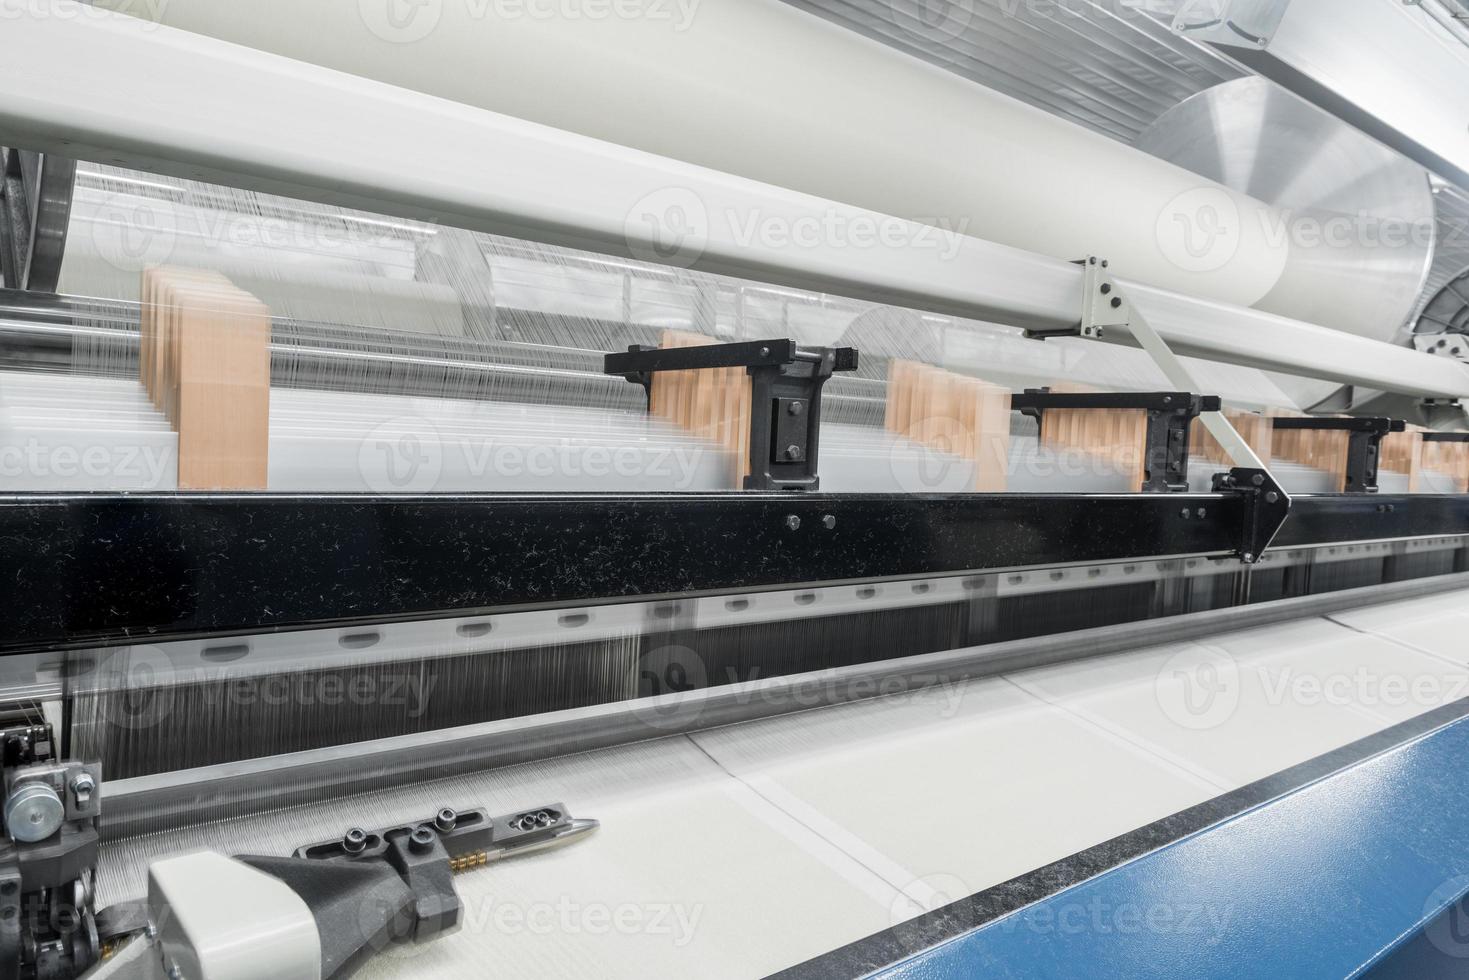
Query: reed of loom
1116, 438
954, 414
1255, 429
713, 405
1450, 459
204, 361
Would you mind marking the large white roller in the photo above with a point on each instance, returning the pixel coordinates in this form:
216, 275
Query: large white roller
759, 89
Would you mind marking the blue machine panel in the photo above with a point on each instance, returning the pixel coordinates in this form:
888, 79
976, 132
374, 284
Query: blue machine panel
1362, 873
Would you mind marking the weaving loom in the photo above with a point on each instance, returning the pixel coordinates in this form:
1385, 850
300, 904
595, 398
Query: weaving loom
798, 553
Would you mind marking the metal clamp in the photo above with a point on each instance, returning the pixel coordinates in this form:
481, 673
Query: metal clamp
785, 404
1364, 444
1170, 416
1267, 506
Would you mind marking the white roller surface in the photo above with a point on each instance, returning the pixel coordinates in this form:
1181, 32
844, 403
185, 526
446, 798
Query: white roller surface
761, 90
740, 851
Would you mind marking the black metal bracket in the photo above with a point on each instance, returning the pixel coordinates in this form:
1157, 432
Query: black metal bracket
1170, 416
1267, 506
1446, 437
1364, 444
785, 405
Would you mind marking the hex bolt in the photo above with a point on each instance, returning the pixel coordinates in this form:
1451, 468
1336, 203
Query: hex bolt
355, 841
1272, 497
793, 522
1258, 480
796, 408
446, 819
1106, 288
1116, 302
829, 522
422, 838
793, 452
1186, 513
1203, 513
82, 788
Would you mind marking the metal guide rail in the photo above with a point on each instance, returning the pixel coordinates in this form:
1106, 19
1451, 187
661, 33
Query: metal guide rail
86, 570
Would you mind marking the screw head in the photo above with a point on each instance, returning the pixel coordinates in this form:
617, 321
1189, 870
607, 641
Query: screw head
355, 841
765, 352
446, 819
1258, 480
829, 522
1272, 497
422, 838
796, 408
793, 522
793, 452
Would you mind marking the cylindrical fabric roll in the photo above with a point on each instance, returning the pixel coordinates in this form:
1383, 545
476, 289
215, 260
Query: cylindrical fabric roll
762, 90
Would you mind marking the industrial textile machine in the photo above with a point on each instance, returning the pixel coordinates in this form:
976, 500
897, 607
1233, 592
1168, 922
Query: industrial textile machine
829, 487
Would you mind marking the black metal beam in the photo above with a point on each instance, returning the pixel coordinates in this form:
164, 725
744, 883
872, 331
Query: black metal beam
85, 570
103, 569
